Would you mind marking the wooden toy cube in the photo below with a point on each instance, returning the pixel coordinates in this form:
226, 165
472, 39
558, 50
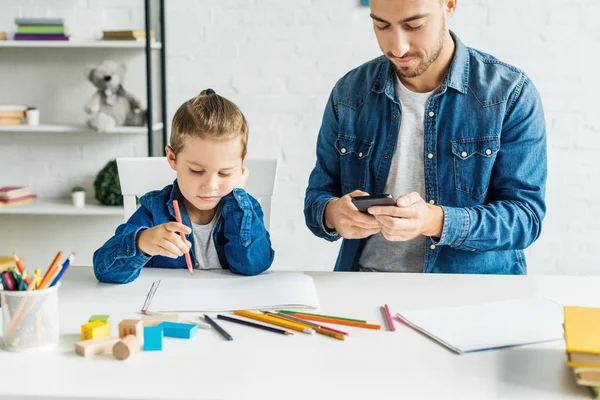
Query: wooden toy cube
132, 327
153, 336
88, 348
153, 320
101, 318
94, 330
179, 330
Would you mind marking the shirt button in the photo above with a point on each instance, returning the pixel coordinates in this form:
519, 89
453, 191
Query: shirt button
385, 156
432, 247
239, 197
488, 152
431, 201
343, 150
395, 116
431, 113
430, 156
360, 154
127, 250
464, 154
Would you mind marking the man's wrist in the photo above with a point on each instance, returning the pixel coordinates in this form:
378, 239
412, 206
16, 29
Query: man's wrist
436, 224
329, 224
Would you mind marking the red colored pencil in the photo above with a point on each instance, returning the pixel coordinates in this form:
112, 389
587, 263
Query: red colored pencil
188, 260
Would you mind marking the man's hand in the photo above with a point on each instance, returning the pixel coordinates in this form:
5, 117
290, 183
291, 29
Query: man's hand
409, 218
163, 240
342, 215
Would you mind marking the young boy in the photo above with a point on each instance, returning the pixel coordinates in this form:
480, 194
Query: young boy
223, 224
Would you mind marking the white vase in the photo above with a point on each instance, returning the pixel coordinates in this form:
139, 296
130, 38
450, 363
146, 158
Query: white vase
78, 199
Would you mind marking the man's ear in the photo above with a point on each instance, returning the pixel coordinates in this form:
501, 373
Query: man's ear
171, 157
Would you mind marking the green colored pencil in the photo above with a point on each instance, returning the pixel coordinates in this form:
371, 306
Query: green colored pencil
320, 315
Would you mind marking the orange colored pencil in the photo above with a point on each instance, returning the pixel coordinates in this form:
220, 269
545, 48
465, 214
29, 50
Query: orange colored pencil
337, 321
51, 278
188, 260
50, 271
21, 268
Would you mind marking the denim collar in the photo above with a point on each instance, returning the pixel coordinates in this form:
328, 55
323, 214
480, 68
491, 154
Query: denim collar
457, 77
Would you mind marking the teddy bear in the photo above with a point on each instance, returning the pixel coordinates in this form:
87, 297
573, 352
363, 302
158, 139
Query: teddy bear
111, 105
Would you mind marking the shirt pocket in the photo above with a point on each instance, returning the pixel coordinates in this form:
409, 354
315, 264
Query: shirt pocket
354, 160
473, 162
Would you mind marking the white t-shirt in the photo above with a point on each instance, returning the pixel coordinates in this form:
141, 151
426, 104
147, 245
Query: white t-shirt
204, 245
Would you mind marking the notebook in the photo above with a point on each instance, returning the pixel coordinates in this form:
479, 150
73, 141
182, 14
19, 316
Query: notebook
582, 325
491, 325
269, 290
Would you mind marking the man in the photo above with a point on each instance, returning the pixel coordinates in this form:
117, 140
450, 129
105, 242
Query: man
455, 134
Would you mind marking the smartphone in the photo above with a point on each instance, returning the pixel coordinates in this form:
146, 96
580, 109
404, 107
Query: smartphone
364, 202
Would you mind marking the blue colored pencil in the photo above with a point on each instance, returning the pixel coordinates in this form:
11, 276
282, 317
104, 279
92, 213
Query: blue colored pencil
65, 265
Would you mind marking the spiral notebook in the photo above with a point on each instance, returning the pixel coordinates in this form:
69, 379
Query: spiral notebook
269, 290
491, 325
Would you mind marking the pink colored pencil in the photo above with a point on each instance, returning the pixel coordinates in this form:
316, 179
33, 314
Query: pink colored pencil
388, 317
188, 260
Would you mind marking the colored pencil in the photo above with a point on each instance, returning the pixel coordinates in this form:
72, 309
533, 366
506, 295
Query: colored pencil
303, 321
188, 260
252, 324
217, 327
388, 317
50, 271
275, 321
55, 271
65, 265
19, 263
322, 316
337, 321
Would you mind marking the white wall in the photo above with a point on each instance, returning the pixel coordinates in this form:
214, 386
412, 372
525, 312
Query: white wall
278, 60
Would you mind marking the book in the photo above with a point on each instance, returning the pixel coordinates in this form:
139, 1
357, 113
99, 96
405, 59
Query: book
127, 33
39, 21
41, 29
489, 326
14, 192
12, 114
11, 107
10, 120
2, 35
581, 336
29, 196
587, 376
6, 263
16, 203
38, 36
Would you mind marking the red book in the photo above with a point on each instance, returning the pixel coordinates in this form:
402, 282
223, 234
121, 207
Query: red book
14, 192
16, 199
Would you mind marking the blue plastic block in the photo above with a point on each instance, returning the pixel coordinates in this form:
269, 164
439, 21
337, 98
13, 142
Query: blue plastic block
153, 336
179, 330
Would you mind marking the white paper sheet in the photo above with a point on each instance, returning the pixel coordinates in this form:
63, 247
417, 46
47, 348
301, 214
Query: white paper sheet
491, 325
270, 290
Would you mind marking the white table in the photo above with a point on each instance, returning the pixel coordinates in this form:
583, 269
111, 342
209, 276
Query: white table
260, 365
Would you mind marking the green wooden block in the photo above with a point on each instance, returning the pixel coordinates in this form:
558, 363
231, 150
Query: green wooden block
101, 318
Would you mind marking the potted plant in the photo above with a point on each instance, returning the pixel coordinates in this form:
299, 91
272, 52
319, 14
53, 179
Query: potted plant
78, 195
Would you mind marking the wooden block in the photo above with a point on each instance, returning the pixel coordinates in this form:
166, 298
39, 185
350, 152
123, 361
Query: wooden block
88, 348
179, 330
94, 330
126, 347
132, 327
153, 336
101, 318
153, 320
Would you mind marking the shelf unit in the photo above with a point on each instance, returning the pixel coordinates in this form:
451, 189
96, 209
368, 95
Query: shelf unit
55, 128
56, 206
68, 44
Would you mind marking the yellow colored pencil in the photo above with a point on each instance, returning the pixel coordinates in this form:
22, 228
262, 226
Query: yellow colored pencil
329, 333
275, 321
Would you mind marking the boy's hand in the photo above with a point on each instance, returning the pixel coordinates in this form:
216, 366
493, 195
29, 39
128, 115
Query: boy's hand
244, 178
163, 240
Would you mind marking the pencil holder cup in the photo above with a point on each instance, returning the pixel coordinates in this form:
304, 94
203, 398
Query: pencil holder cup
30, 319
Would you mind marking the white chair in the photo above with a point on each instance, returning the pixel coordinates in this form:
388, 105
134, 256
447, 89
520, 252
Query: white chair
139, 176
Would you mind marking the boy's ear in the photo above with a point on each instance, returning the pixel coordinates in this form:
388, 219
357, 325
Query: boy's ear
171, 157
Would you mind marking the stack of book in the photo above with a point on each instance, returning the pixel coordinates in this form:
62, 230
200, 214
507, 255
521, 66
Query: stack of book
134, 34
16, 196
40, 29
12, 114
582, 326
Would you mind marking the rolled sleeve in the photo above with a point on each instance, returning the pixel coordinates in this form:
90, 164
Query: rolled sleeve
456, 227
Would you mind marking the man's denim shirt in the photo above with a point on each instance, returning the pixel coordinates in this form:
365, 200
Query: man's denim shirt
243, 244
485, 160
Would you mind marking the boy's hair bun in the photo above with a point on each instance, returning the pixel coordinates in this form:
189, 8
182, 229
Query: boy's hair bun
207, 92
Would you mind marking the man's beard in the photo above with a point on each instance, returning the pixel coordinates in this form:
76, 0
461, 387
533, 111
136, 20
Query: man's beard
424, 64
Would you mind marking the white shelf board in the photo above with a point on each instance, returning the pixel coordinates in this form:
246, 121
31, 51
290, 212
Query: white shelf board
52, 128
67, 44
56, 206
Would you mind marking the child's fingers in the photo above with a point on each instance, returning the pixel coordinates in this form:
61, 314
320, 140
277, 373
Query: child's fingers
177, 227
171, 247
162, 251
176, 241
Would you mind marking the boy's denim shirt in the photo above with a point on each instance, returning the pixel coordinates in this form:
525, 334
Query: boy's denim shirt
241, 239
485, 160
